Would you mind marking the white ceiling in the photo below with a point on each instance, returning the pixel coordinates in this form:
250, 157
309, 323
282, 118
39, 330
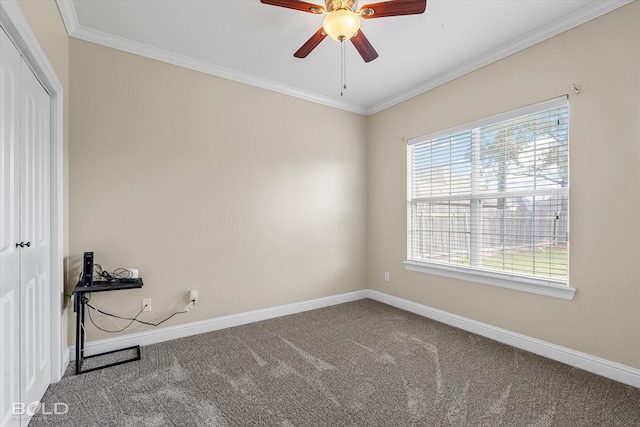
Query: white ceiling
250, 42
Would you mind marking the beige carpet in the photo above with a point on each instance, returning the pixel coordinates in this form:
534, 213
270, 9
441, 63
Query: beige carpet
357, 364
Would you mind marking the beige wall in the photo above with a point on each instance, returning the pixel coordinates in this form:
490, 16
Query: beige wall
602, 56
254, 198
205, 183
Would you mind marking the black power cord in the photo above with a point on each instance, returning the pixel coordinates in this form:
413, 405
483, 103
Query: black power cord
114, 276
106, 330
132, 319
120, 274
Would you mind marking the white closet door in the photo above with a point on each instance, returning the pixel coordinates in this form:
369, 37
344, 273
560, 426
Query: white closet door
34, 231
9, 230
25, 361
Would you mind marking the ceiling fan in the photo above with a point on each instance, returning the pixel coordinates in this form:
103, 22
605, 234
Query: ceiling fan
342, 22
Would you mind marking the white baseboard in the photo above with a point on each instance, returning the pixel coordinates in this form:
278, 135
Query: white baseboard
193, 328
66, 359
596, 365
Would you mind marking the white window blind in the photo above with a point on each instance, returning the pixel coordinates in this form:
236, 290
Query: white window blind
493, 196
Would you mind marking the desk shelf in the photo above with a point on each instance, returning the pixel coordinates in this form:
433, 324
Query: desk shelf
79, 304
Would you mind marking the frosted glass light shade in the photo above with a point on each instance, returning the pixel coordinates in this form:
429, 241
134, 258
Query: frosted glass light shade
341, 25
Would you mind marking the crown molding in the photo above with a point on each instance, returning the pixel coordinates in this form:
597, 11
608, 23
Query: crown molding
592, 11
77, 31
69, 17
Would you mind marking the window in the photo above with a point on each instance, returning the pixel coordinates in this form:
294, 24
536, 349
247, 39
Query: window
489, 201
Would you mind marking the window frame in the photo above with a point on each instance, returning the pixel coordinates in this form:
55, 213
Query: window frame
537, 285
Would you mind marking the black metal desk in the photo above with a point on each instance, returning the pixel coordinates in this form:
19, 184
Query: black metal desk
79, 302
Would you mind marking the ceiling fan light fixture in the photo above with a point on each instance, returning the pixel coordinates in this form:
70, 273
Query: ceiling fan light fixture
341, 24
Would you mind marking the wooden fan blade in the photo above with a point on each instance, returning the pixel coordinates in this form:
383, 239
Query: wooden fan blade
295, 4
364, 47
395, 8
311, 44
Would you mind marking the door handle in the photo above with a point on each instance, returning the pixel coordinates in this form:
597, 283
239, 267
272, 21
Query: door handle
23, 244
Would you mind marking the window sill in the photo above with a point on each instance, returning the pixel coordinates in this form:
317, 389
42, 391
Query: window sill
539, 287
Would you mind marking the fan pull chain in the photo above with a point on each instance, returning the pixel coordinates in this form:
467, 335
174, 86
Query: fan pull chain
343, 69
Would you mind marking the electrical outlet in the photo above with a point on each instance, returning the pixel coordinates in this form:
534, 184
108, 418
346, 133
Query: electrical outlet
193, 295
146, 304
386, 276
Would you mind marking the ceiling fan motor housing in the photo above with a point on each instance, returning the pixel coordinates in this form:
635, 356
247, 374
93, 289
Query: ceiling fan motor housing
333, 5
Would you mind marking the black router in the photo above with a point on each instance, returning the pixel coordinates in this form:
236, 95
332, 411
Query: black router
87, 269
